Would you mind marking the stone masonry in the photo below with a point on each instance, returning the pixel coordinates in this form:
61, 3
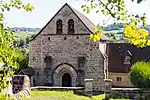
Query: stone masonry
71, 58
18, 87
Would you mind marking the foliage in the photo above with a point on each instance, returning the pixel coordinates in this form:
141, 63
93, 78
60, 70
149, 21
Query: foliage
8, 4
140, 74
98, 97
138, 1
22, 59
7, 55
32, 36
27, 39
22, 38
137, 36
7, 48
117, 9
5, 97
97, 35
21, 43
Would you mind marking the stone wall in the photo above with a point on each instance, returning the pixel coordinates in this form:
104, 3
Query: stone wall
20, 82
65, 14
65, 50
130, 93
69, 53
21, 86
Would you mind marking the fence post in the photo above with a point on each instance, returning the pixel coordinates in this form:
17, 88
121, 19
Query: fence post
108, 85
88, 87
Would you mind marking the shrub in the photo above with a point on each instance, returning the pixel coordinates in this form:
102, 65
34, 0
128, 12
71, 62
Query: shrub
140, 74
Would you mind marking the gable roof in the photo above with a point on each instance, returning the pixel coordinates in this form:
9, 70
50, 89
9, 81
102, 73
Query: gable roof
117, 51
87, 23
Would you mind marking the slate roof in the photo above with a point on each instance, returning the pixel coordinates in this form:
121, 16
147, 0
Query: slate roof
83, 19
27, 71
87, 22
117, 51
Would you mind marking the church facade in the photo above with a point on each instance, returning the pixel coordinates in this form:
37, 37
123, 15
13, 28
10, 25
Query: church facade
62, 53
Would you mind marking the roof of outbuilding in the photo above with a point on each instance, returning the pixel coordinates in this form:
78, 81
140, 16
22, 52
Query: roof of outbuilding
117, 51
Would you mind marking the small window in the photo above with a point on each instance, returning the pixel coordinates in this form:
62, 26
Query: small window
119, 78
33, 58
48, 38
37, 73
59, 28
71, 26
127, 60
65, 38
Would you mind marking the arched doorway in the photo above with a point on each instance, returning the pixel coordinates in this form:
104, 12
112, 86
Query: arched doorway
64, 75
66, 80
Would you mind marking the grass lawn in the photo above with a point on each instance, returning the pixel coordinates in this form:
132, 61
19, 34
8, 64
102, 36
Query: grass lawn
63, 95
60, 95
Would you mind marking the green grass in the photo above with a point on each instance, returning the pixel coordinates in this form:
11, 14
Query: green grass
60, 95
57, 95
63, 95
20, 35
23, 35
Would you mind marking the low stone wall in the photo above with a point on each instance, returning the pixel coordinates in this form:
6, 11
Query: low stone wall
56, 88
128, 93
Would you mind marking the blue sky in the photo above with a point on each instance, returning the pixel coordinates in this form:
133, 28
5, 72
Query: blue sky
45, 9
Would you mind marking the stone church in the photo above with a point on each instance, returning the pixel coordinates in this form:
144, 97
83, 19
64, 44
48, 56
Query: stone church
62, 53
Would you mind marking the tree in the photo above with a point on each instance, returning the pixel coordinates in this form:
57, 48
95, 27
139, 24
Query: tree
22, 59
8, 58
140, 74
21, 43
27, 39
32, 36
117, 9
138, 1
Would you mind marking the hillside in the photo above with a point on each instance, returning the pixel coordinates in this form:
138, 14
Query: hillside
25, 29
118, 27
22, 32
114, 32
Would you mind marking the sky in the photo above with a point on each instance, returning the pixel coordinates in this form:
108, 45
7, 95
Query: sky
46, 9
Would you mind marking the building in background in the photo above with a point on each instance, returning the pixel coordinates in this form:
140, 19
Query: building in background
121, 56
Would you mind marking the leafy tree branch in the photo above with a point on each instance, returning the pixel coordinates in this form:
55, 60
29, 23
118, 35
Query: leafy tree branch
117, 9
8, 49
